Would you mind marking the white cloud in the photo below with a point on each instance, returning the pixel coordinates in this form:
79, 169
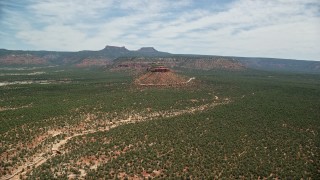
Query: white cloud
66, 37
66, 11
253, 28
276, 28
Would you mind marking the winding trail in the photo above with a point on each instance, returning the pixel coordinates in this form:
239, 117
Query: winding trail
141, 84
190, 79
55, 149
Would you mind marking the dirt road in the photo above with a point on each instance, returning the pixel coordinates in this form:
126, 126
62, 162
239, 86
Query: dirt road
55, 149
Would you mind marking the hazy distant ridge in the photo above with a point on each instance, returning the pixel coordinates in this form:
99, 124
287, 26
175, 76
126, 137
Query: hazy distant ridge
109, 54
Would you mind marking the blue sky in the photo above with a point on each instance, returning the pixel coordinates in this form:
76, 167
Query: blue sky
256, 28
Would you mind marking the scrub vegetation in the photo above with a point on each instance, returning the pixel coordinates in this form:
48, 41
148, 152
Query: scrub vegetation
96, 124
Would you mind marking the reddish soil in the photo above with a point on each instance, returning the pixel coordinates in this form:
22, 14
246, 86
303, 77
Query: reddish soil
160, 79
219, 63
50, 150
92, 62
21, 59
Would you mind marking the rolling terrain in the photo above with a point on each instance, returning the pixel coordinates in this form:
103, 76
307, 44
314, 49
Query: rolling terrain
105, 115
65, 122
113, 55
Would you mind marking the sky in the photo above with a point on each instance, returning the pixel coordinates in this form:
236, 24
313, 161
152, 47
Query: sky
250, 28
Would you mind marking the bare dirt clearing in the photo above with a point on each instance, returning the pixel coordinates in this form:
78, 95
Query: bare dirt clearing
33, 82
162, 79
56, 148
14, 108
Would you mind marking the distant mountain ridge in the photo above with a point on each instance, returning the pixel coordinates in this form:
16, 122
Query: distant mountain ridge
147, 50
115, 55
280, 64
109, 53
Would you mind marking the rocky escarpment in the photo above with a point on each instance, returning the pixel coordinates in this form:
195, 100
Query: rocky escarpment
89, 62
161, 76
22, 59
147, 50
188, 62
216, 63
151, 52
121, 56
